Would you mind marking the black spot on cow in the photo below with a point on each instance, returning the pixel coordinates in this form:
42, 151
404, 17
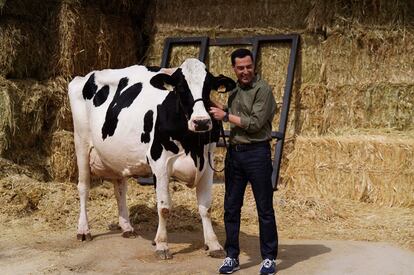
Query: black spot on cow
148, 124
90, 87
159, 80
119, 102
163, 132
154, 69
101, 96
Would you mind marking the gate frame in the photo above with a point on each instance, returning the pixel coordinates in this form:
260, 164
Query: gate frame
256, 42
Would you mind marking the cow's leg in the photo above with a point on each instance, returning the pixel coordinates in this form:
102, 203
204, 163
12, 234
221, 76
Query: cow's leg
120, 190
82, 159
164, 208
204, 197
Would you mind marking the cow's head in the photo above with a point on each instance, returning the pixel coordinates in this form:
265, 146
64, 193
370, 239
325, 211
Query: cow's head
191, 84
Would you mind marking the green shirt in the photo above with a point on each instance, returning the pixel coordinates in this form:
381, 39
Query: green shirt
256, 107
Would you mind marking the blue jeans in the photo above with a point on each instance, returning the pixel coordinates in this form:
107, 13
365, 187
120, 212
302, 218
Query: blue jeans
254, 165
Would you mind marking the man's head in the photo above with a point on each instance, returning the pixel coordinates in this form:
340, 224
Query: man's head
243, 65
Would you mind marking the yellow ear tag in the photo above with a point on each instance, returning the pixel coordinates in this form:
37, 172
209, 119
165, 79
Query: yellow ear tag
221, 89
169, 87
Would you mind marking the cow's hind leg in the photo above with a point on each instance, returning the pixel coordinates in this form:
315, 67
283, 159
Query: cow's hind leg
82, 158
164, 208
120, 190
204, 196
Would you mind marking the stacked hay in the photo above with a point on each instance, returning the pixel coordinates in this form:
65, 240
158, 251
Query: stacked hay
31, 112
25, 41
244, 13
368, 168
109, 39
61, 38
310, 14
359, 55
7, 125
326, 109
62, 157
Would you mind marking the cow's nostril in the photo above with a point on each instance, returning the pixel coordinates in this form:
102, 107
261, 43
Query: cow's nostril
202, 124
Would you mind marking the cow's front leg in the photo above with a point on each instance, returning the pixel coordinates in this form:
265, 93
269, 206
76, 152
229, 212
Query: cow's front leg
164, 208
204, 196
120, 190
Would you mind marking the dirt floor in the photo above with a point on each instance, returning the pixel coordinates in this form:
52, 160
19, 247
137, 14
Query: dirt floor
317, 236
27, 251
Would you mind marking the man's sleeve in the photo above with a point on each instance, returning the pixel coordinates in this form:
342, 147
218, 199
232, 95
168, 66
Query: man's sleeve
264, 107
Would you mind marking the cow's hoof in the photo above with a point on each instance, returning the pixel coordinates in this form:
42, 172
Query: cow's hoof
84, 237
154, 243
217, 253
114, 227
163, 254
129, 234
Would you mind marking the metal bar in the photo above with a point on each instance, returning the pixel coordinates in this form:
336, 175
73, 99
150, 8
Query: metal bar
166, 53
285, 110
255, 50
231, 41
203, 49
169, 42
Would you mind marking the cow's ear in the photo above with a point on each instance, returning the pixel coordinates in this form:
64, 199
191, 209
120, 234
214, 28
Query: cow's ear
163, 82
223, 84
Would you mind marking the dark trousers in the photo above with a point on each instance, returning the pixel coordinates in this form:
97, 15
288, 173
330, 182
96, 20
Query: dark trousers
250, 164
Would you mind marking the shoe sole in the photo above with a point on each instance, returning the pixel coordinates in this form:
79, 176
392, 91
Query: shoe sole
235, 269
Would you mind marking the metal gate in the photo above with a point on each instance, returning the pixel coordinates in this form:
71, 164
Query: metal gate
255, 42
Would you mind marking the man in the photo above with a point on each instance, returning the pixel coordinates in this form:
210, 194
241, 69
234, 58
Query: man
250, 110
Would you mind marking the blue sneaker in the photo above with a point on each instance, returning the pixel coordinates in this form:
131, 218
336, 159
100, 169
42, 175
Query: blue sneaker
229, 266
268, 267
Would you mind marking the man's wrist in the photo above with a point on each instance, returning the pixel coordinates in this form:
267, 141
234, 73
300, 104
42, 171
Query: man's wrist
226, 117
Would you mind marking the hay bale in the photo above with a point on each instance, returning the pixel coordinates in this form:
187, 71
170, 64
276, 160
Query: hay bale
62, 157
68, 38
24, 49
362, 55
7, 123
214, 14
32, 111
323, 109
310, 14
325, 14
104, 40
369, 168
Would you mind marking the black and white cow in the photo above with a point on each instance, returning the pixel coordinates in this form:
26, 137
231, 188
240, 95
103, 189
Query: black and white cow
138, 121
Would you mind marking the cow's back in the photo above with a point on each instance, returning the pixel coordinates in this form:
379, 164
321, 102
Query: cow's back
114, 112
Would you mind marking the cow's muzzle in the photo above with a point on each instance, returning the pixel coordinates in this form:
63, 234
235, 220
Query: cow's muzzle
202, 125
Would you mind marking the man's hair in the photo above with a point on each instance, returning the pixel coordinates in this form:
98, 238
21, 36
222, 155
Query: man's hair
240, 53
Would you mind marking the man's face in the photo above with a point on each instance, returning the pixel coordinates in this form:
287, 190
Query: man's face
244, 70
